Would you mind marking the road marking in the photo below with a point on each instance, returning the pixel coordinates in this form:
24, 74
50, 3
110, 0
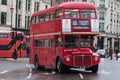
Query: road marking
53, 72
3, 72
81, 76
105, 72
30, 74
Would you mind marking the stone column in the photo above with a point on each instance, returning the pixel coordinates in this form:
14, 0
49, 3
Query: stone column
113, 43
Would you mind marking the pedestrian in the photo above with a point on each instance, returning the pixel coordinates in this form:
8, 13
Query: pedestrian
111, 53
28, 51
15, 55
116, 52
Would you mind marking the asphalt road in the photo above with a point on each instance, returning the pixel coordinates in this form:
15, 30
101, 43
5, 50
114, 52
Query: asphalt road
22, 70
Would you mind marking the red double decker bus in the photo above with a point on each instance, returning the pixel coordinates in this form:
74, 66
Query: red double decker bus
62, 36
11, 40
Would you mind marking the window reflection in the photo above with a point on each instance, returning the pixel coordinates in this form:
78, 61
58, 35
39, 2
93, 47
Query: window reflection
72, 13
88, 14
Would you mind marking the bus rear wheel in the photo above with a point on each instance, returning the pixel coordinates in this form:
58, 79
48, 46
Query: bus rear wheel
36, 63
59, 66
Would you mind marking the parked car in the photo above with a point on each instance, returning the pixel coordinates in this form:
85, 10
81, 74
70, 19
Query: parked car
101, 52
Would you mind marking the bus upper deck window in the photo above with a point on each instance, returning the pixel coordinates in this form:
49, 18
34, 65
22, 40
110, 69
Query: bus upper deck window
72, 13
37, 19
41, 18
33, 20
88, 14
51, 15
59, 14
47, 17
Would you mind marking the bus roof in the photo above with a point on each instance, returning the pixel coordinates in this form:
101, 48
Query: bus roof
45, 11
82, 5
79, 5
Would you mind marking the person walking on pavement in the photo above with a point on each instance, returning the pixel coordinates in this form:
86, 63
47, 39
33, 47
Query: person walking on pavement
111, 53
116, 52
15, 55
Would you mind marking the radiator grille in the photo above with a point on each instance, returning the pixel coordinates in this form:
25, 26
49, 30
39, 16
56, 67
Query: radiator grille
82, 60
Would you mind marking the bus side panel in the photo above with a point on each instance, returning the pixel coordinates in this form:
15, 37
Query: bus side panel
31, 60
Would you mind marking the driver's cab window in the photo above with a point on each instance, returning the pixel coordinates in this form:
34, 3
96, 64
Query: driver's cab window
71, 41
59, 41
85, 42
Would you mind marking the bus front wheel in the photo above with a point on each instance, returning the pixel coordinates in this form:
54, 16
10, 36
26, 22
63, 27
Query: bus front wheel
59, 66
36, 63
95, 69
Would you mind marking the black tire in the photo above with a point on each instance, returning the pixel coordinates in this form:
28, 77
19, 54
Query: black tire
36, 63
95, 68
59, 66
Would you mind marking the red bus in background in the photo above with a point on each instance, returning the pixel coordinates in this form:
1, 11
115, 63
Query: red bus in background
62, 36
8, 42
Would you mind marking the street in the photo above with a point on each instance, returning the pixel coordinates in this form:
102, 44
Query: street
22, 70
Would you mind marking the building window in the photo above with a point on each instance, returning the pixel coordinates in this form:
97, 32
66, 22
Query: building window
101, 15
19, 21
4, 2
111, 5
102, 3
28, 5
115, 6
110, 28
36, 6
101, 27
84, 0
3, 17
111, 15
46, 6
19, 4
27, 21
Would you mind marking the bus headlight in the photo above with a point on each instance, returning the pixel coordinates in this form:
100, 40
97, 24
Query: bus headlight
96, 58
67, 59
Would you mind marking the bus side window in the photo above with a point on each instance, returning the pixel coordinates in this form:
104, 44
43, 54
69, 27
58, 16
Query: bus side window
47, 17
37, 19
41, 18
41, 43
59, 14
51, 15
46, 43
33, 20
36, 43
51, 43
